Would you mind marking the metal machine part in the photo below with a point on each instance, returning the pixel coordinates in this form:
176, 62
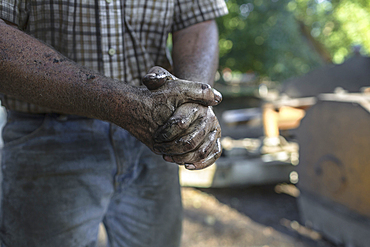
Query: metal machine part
334, 167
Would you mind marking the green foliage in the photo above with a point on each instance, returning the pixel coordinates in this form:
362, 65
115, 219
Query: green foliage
284, 38
262, 36
338, 24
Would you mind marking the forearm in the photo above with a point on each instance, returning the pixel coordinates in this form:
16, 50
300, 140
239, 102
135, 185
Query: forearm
195, 52
36, 73
195, 58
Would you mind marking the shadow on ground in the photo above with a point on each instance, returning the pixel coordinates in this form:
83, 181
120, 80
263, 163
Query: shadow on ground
253, 216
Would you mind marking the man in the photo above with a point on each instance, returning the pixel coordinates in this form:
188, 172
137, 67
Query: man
64, 169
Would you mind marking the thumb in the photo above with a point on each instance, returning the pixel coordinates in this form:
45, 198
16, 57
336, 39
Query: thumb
156, 77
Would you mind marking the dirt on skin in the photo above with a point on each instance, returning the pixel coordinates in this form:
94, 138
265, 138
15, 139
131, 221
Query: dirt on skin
244, 217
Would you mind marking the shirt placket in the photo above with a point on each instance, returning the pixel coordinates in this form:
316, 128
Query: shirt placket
109, 15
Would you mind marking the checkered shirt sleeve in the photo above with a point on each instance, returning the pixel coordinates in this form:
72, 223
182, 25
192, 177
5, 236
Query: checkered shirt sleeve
190, 12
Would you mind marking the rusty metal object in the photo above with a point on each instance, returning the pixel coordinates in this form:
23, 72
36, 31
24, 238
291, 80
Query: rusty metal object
334, 144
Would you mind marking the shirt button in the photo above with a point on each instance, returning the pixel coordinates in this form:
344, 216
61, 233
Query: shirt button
111, 51
108, 1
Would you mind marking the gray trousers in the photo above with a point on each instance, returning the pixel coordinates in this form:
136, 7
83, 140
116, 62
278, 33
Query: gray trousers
63, 175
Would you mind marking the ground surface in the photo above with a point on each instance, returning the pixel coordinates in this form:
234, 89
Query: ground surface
254, 216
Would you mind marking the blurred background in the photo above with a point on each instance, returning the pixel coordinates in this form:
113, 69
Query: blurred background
279, 39
295, 76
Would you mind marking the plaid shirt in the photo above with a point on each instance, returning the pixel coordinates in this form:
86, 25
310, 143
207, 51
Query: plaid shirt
120, 39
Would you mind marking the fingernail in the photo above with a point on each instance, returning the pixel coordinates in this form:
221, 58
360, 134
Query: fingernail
168, 158
151, 75
217, 95
148, 78
190, 166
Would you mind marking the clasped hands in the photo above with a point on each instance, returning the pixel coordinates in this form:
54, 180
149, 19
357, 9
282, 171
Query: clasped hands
188, 131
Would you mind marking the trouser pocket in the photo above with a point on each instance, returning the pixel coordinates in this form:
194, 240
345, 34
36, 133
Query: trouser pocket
21, 127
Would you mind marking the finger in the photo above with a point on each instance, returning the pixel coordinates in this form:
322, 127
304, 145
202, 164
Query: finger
179, 122
187, 143
192, 138
192, 92
204, 150
209, 160
156, 77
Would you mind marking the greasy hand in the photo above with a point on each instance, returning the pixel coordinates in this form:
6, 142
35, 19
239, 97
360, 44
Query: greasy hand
194, 131
191, 136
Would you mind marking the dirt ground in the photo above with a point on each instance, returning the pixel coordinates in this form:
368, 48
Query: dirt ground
260, 216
